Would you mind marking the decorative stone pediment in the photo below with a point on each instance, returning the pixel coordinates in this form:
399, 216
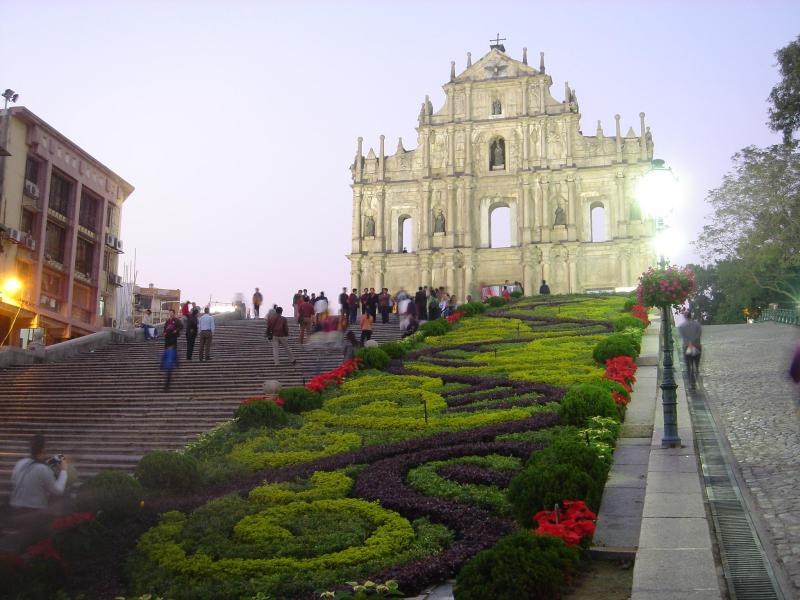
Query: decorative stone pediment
495, 65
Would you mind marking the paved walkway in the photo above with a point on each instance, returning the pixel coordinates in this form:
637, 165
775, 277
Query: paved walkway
744, 375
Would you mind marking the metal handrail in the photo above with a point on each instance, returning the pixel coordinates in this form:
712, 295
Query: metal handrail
781, 315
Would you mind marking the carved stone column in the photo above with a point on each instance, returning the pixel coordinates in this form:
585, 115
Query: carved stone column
572, 268
469, 222
451, 150
544, 210
468, 150
572, 224
527, 212
357, 211
545, 262
621, 216
380, 233
425, 217
451, 223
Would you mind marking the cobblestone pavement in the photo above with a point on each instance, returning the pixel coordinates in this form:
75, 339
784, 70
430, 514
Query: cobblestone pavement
744, 373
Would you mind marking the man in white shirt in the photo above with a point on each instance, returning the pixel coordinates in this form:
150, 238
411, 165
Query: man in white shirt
33, 481
206, 327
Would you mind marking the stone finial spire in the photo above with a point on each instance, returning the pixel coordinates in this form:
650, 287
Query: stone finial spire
452, 70
600, 129
400, 149
524, 56
382, 157
359, 159
422, 111
428, 106
566, 91
642, 139
618, 137
469, 59
541, 63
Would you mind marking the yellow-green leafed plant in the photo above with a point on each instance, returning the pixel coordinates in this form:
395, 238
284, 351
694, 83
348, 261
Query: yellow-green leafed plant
292, 446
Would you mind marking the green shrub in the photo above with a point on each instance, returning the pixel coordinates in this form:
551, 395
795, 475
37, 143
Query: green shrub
614, 387
473, 308
540, 487
297, 399
630, 302
114, 493
575, 452
521, 565
395, 349
516, 294
168, 472
586, 400
616, 344
435, 327
259, 413
626, 322
373, 358
496, 301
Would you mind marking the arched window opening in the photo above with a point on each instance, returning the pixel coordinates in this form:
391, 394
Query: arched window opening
405, 236
500, 227
598, 220
497, 154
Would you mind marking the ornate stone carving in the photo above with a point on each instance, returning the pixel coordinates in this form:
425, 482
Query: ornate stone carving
497, 154
560, 216
438, 224
369, 226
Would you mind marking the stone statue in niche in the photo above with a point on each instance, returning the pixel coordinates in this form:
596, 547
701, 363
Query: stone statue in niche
560, 218
498, 154
369, 226
497, 107
438, 223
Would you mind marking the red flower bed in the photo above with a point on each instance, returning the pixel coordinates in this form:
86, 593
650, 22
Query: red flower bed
70, 521
572, 523
278, 401
621, 369
44, 549
336, 376
640, 312
455, 316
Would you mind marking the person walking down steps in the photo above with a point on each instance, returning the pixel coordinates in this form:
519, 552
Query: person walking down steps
257, 300
206, 326
278, 333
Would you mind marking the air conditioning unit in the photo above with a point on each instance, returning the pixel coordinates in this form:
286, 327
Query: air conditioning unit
15, 235
53, 302
119, 245
30, 243
114, 279
111, 240
31, 189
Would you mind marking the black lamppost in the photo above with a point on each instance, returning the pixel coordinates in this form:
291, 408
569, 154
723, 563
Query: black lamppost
657, 194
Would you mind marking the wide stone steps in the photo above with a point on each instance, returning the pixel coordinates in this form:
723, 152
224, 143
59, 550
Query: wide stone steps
106, 408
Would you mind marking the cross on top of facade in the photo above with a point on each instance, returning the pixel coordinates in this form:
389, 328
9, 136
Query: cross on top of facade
497, 43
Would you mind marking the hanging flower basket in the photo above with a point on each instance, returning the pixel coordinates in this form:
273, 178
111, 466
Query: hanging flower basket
664, 287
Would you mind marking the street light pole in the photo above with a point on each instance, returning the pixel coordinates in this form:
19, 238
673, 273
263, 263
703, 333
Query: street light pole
657, 196
669, 396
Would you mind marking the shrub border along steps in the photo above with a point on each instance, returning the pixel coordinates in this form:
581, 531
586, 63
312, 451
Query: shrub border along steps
478, 440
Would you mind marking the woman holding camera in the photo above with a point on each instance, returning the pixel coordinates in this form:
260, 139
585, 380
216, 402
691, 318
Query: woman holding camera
34, 481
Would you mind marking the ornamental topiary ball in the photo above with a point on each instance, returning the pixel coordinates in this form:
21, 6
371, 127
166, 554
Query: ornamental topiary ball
297, 399
394, 349
373, 358
521, 565
616, 344
586, 400
627, 321
163, 471
113, 493
540, 487
259, 413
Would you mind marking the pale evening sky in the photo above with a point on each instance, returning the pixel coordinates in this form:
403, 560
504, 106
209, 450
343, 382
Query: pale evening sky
237, 121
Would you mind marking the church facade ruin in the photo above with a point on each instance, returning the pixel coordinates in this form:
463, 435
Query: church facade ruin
502, 141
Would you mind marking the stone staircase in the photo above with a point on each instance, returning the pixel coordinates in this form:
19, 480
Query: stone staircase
106, 408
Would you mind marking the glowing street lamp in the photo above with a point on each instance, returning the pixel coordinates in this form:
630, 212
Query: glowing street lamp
657, 195
11, 286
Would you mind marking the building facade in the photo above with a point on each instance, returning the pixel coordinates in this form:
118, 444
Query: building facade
60, 213
502, 141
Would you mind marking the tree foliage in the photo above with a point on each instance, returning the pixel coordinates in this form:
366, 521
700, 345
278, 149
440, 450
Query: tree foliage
755, 226
784, 114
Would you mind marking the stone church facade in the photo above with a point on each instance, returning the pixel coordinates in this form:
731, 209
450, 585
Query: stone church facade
502, 140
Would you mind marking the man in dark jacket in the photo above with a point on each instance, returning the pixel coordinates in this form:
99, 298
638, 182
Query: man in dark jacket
421, 300
191, 332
